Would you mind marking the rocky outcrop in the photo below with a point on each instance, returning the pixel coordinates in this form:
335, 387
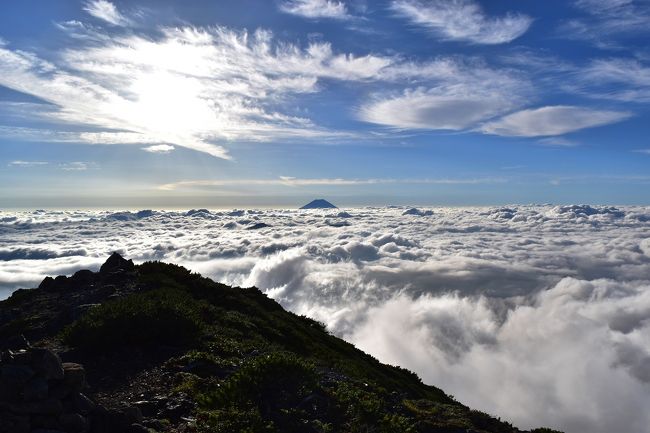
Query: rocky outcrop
41, 394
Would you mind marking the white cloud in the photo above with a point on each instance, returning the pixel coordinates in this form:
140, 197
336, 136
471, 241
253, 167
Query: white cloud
106, 11
316, 8
552, 120
620, 79
159, 148
646, 151
453, 95
75, 166
192, 87
558, 141
462, 20
607, 20
20, 163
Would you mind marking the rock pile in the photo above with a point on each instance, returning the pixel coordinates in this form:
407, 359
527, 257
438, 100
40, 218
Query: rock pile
41, 394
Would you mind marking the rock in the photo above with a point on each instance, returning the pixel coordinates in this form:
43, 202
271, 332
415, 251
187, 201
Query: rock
136, 428
45, 422
46, 430
83, 276
11, 423
43, 407
58, 390
133, 414
116, 263
82, 404
36, 389
47, 364
147, 407
47, 283
73, 422
15, 375
15, 343
74, 376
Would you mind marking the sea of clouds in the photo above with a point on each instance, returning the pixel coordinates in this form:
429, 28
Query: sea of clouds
538, 314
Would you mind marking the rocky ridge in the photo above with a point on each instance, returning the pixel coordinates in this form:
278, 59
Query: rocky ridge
156, 348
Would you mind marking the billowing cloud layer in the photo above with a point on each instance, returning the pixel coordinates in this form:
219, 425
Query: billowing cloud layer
547, 305
462, 20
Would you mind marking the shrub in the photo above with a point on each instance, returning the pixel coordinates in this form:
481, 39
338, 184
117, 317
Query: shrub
166, 316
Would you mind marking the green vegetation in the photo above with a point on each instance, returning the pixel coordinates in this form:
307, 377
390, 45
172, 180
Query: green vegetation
164, 316
253, 367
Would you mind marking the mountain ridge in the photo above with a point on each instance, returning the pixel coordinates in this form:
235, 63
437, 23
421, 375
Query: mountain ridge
167, 350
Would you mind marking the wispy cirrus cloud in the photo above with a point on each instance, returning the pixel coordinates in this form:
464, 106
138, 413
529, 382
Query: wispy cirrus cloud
552, 121
315, 9
621, 79
192, 87
462, 20
106, 11
297, 182
77, 166
20, 163
606, 20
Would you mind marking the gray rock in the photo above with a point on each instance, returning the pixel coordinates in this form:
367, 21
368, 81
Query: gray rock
17, 342
73, 422
47, 364
11, 423
136, 428
15, 375
43, 407
82, 404
36, 389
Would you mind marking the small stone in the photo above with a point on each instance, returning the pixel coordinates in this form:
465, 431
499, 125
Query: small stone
74, 376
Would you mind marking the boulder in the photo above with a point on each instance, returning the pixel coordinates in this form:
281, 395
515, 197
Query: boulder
74, 376
47, 364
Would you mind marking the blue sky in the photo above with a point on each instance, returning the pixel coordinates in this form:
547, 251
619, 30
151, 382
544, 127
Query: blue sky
271, 103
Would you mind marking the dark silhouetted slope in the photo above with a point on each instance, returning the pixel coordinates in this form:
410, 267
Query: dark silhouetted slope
156, 347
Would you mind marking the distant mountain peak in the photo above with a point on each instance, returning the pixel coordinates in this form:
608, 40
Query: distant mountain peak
319, 203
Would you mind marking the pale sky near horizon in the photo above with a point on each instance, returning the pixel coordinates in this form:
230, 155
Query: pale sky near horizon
273, 103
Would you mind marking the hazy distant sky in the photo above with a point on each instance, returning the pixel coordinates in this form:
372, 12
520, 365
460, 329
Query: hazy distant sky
229, 103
